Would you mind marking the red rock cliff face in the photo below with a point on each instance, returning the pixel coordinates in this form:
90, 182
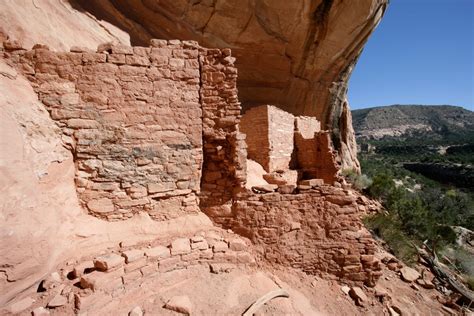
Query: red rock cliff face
297, 55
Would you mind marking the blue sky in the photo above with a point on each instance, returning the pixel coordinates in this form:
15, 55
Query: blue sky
421, 53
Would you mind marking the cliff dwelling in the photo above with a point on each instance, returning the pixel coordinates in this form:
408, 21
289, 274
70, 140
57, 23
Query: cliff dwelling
187, 152
159, 130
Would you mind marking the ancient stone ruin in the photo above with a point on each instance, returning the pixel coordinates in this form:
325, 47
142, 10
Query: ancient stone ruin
160, 143
157, 129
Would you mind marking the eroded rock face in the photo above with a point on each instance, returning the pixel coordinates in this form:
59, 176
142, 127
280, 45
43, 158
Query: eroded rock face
294, 54
55, 24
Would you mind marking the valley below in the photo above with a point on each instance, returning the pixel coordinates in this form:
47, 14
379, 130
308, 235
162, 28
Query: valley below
424, 179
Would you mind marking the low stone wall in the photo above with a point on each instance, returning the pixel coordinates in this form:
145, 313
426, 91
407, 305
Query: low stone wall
318, 230
88, 284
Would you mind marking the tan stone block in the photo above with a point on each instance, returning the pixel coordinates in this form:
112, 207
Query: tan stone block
92, 58
83, 267
136, 60
141, 51
80, 123
351, 259
265, 188
312, 182
106, 281
105, 186
158, 60
132, 255
108, 262
220, 246
161, 51
116, 58
159, 252
158, 43
132, 277
180, 246
132, 203
71, 99
237, 244
161, 187
121, 49
352, 269
201, 245
90, 302
340, 200
176, 63
206, 254
169, 264
149, 269
193, 256
196, 238
303, 187
102, 206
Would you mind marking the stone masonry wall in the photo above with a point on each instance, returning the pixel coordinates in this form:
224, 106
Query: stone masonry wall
270, 136
315, 156
254, 124
307, 126
224, 168
141, 121
132, 118
281, 134
318, 230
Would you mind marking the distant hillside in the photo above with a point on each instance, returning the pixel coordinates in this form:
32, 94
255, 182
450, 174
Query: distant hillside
443, 122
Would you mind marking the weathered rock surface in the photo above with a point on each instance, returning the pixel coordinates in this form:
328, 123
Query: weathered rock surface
181, 304
56, 24
294, 54
408, 274
358, 295
136, 311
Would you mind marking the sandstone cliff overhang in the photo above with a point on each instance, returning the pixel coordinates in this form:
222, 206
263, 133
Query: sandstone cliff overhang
297, 55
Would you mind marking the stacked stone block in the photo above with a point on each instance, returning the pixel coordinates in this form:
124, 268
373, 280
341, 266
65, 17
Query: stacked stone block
316, 156
281, 128
254, 124
132, 118
224, 168
141, 121
317, 230
115, 272
269, 138
280, 141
